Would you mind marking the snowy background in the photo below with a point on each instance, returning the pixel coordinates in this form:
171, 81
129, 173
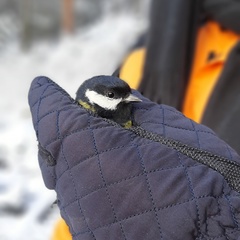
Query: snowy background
97, 47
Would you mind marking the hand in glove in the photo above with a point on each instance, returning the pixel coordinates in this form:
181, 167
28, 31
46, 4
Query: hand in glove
164, 178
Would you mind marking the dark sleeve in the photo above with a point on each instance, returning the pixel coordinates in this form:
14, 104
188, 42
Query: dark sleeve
223, 110
170, 46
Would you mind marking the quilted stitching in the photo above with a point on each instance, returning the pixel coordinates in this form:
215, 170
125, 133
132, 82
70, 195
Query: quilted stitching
114, 190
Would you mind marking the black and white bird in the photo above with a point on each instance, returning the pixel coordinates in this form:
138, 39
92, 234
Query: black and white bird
109, 97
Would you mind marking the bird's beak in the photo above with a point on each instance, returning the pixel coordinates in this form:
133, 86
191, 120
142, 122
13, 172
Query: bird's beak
132, 98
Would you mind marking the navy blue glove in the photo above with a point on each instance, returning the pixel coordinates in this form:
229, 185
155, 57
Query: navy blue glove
166, 178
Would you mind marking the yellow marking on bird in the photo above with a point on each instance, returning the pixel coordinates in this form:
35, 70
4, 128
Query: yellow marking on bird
128, 124
86, 106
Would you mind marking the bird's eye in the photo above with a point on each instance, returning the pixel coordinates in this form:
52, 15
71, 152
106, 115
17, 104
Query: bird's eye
110, 94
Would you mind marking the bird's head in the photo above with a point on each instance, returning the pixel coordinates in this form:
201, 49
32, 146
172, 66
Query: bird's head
106, 95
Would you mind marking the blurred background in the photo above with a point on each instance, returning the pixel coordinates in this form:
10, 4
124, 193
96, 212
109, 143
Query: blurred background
68, 41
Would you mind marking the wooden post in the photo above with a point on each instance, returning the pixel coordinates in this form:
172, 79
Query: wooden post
67, 16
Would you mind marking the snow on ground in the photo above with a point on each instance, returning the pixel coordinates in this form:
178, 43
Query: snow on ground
25, 203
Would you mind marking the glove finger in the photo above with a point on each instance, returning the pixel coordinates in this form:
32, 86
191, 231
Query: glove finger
53, 114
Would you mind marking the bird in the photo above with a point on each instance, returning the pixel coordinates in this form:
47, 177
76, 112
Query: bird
108, 97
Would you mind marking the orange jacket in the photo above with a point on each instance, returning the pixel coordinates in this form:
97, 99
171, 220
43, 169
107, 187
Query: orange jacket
212, 49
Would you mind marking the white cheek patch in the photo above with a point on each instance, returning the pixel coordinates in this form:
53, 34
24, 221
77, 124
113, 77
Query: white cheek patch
102, 101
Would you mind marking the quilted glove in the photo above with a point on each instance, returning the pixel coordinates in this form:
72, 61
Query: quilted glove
165, 178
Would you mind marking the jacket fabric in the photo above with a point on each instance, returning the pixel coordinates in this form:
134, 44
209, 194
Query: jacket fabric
224, 102
212, 92
225, 12
213, 57
170, 47
166, 178
171, 41
61, 231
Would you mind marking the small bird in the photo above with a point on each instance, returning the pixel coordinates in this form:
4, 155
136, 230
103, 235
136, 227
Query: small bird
109, 97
